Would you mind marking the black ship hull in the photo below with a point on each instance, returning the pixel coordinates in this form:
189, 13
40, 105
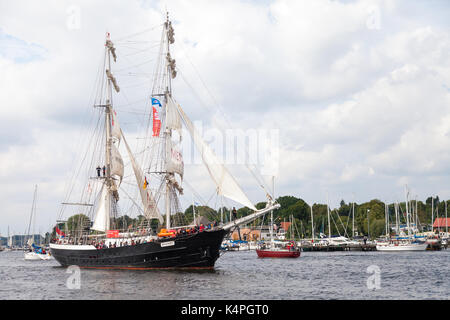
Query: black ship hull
199, 250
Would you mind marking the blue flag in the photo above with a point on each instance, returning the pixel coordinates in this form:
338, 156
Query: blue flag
156, 102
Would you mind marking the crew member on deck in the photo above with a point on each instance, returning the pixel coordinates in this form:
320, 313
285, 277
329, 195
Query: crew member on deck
104, 171
98, 171
234, 213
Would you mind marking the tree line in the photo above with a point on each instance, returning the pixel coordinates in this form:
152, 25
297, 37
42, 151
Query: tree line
368, 217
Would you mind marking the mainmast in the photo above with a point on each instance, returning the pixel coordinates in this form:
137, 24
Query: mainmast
171, 73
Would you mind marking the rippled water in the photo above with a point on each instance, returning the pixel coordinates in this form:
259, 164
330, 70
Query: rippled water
242, 276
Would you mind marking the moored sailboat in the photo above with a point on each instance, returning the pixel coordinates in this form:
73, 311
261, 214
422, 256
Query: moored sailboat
278, 249
407, 243
34, 252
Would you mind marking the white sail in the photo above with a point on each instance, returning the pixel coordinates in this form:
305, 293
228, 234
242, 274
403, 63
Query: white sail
151, 210
173, 120
115, 127
175, 162
226, 184
101, 221
117, 167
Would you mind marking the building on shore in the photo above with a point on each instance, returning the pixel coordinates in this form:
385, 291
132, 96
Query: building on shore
440, 224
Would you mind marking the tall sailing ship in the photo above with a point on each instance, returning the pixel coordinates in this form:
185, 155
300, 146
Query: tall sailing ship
101, 244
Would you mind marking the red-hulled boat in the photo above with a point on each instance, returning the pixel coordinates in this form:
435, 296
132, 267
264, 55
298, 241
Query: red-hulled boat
278, 249
289, 251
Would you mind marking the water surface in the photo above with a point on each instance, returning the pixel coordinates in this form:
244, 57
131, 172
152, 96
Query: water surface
242, 276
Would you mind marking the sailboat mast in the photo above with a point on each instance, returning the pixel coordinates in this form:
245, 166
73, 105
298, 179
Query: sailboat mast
312, 223
108, 140
167, 131
446, 223
353, 218
271, 211
432, 212
329, 225
407, 211
33, 208
386, 218
397, 219
417, 217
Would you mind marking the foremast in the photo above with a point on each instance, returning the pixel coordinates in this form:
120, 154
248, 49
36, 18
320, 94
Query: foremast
113, 167
108, 106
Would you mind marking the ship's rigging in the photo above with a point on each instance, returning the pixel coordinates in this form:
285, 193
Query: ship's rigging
161, 184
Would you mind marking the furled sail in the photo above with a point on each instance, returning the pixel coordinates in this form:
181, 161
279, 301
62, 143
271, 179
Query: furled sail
101, 221
111, 48
226, 184
113, 80
151, 210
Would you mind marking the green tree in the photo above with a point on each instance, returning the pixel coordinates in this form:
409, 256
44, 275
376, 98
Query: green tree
77, 223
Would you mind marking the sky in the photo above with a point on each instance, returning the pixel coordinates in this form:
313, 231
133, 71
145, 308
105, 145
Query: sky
353, 95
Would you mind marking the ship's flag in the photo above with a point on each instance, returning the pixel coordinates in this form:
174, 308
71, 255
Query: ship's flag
156, 119
156, 102
156, 123
145, 183
60, 233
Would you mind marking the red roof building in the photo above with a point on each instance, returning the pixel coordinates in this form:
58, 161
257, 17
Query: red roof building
441, 223
285, 225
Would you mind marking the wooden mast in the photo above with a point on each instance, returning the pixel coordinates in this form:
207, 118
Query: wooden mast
167, 132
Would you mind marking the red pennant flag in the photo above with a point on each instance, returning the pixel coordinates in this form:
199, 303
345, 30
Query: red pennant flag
156, 123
